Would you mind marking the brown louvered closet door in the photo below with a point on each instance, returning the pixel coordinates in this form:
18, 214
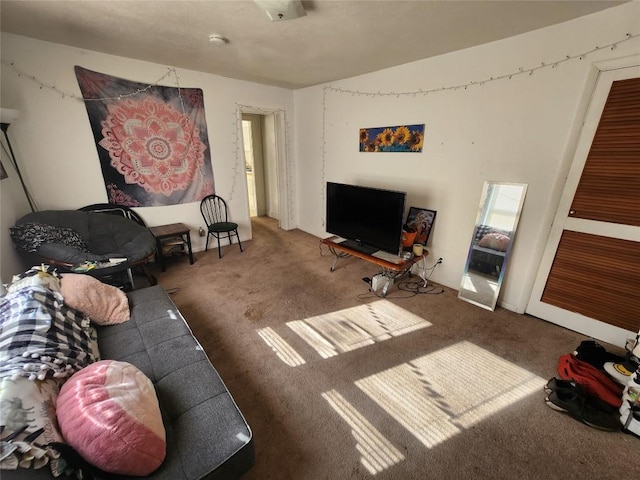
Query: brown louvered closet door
609, 189
598, 275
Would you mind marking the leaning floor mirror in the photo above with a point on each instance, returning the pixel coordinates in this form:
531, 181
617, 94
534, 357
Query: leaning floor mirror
493, 236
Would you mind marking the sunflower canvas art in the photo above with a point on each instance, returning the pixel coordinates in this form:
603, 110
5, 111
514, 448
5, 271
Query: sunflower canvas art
402, 138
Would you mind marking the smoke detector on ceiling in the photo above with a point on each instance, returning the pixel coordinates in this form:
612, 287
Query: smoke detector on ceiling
278, 10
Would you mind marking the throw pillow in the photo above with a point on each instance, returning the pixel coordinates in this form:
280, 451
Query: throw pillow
103, 304
28, 415
29, 236
109, 413
495, 241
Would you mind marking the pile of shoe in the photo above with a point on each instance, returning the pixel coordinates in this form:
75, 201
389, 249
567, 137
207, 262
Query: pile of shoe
599, 388
628, 374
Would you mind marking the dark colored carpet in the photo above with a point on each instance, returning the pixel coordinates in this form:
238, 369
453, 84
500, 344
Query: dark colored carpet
421, 387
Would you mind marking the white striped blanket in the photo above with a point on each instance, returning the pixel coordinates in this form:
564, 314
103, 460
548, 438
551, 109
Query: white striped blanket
40, 336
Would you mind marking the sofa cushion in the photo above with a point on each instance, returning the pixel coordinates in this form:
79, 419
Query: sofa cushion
207, 436
108, 412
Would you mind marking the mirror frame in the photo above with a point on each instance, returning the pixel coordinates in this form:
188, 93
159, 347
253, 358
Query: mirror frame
495, 284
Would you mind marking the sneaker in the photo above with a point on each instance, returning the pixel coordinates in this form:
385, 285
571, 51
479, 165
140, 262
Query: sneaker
592, 352
556, 384
621, 371
578, 407
594, 381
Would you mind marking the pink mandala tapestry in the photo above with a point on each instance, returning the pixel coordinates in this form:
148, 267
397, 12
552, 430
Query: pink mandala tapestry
152, 140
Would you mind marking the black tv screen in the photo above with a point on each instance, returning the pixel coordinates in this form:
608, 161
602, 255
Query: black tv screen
370, 219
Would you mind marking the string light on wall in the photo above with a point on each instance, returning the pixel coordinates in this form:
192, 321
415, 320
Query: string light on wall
323, 147
521, 71
473, 83
122, 96
172, 71
64, 94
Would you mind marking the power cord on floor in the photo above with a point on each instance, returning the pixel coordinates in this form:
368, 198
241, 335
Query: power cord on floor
412, 288
419, 288
423, 269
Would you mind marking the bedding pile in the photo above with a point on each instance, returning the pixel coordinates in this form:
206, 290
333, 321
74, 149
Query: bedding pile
43, 342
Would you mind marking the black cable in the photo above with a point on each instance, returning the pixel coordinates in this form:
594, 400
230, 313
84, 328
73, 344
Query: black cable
412, 287
418, 288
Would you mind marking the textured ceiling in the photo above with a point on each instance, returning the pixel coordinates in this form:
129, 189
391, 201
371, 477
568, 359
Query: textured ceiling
335, 40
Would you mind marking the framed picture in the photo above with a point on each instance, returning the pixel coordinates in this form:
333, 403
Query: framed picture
399, 138
420, 220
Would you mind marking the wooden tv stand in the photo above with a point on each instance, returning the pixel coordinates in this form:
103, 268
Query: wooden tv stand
391, 269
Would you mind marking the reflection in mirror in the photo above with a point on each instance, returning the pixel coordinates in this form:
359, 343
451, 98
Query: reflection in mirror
493, 235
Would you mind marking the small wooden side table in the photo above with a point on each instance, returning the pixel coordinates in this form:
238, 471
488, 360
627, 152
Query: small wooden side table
164, 233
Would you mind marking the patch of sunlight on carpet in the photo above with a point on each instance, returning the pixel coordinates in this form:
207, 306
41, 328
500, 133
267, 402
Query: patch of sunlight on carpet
438, 395
346, 330
282, 349
377, 453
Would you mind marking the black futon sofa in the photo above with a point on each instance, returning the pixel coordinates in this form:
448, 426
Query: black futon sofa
207, 436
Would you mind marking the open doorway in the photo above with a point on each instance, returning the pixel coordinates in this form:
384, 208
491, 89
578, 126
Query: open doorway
261, 169
267, 179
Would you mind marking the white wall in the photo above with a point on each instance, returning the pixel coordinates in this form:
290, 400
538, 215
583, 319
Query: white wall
54, 142
521, 129
13, 205
518, 130
269, 155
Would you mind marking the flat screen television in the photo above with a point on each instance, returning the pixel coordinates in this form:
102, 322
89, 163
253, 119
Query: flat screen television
369, 219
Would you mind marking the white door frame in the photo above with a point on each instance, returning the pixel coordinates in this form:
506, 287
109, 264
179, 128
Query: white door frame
607, 73
256, 182
285, 189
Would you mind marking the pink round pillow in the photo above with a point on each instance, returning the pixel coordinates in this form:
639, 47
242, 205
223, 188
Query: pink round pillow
108, 412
